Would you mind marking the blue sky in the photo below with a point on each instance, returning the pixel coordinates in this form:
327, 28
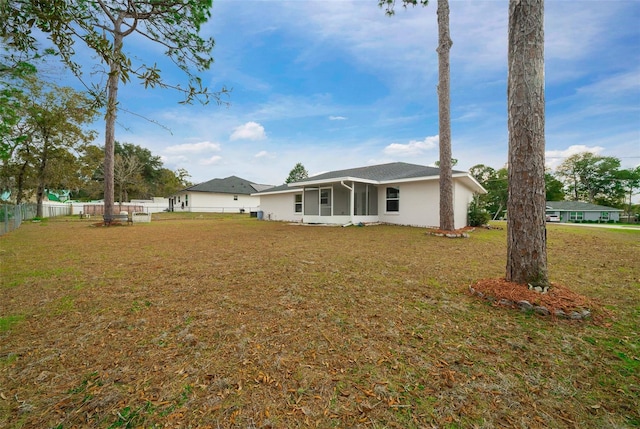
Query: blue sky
337, 84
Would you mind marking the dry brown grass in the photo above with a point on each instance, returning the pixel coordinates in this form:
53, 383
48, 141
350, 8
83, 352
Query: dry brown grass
226, 321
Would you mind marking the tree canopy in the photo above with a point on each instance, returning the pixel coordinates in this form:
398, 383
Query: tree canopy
297, 173
50, 130
592, 178
102, 26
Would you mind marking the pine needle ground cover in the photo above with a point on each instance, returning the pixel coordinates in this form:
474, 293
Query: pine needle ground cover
226, 321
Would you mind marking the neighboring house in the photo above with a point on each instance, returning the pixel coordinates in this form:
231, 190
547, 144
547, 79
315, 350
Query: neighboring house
396, 193
231, 194
578, 211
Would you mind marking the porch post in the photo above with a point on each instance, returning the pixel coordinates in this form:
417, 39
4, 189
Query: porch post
352, 202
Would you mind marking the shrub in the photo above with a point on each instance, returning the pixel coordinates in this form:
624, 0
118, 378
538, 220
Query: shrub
477, 215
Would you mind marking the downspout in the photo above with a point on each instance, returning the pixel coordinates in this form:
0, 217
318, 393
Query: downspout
351, 200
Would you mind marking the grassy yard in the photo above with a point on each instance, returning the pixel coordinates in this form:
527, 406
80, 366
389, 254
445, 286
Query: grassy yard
225, 321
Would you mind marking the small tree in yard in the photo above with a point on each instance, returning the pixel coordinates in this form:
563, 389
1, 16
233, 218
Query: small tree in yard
477, 215
526, 229
297, 173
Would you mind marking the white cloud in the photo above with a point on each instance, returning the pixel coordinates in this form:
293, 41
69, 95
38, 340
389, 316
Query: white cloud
555, 157
414, 147
174, 159
263, 154
337, 118
211, 161
200, 147
249, 131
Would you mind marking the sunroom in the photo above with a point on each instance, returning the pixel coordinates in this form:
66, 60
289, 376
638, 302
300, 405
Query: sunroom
338, 202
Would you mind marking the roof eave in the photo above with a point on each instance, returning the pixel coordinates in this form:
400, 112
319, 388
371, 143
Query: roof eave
331, 180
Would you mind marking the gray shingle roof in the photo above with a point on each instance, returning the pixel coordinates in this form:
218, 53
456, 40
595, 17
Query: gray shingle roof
381, 172
578, 206
377, 173
229, 185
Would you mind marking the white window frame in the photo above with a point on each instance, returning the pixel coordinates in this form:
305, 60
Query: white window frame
389, 199
297, 205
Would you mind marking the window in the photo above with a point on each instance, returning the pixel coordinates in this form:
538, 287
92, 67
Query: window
604, 216
576, 216
393, 199
297, 203
235, 198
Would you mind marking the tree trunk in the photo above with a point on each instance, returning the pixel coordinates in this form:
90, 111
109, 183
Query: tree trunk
20, 182
110, 123
526, 229
495, 216
41, 179
447, 222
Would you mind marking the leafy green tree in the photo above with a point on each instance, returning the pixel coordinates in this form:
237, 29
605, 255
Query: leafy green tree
90, 174
297, 173
103, 26
138, 174
12, 72
630, 182
497, 186
51, 129
183, 177
150, 167
447, 215
477, 215
170, 182
592, 178
554, 188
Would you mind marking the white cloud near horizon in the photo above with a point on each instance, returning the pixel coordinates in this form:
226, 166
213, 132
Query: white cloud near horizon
338, 118
555, 157
263, 154
249, 131
413, 148
200, 147
211, 161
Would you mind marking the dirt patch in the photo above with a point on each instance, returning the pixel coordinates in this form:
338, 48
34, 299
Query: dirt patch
558, 300
456, 233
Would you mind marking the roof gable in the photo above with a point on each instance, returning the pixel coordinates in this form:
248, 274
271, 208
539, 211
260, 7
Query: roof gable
228, 185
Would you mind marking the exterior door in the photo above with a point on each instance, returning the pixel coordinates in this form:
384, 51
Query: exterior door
325, 202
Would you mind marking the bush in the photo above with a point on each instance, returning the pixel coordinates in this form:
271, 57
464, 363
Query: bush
477, 216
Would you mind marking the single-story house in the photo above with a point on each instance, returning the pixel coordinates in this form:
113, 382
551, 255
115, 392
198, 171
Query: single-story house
579, 211
396, 193
232, 194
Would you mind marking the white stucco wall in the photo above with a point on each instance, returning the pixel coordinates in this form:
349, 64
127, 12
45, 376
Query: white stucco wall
462, 197
210, 202
280, 207
419, 204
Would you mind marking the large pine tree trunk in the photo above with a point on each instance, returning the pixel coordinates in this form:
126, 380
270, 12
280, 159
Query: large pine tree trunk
447, 222
526, 231
110, 124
